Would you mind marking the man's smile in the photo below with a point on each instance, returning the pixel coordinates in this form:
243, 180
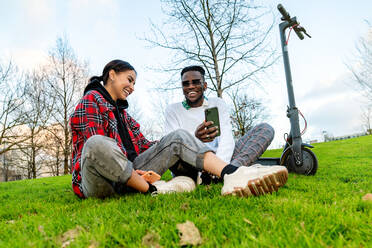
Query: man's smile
192, 93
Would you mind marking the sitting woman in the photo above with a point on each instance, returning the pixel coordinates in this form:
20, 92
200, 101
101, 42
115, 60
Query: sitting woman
110, 153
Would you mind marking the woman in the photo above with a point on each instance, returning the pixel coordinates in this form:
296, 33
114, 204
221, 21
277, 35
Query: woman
110, 152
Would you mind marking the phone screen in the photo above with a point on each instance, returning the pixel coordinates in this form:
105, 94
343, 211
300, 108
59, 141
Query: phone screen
211, 114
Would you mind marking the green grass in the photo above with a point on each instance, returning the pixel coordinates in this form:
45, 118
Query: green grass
320, 211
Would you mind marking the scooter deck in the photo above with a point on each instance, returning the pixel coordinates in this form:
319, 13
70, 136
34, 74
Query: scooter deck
269, 161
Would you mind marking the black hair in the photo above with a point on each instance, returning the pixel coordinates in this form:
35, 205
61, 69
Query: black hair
193, 68
117, 65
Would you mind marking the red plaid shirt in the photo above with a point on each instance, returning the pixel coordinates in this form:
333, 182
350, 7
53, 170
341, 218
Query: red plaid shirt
94, 116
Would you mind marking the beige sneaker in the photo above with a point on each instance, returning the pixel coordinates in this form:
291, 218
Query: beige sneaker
177, 184
254, 180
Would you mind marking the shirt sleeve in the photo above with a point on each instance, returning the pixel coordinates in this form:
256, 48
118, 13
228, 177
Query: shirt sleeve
171, 124
226, 142
87, 119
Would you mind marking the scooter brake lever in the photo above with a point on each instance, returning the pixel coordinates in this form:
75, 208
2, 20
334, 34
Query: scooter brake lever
302, 29
307, 34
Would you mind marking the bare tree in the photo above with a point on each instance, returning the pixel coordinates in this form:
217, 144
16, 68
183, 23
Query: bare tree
362, 70
5, 72
11, 118
246, 113
37, 111
159, 107
11, 104
226, 37
151, 126
66, 77
53, 152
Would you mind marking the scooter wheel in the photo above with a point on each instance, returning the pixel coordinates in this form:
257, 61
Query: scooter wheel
309, 165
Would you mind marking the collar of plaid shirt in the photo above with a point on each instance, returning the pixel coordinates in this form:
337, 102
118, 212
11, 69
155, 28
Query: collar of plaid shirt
96, 85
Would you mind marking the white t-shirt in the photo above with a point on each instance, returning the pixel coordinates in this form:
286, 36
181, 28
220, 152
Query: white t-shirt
177, 116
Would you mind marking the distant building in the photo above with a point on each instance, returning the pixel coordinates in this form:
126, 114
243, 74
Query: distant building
15, 164
349, 136
11, 174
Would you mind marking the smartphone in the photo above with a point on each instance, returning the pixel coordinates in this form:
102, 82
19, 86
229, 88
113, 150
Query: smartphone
211, 114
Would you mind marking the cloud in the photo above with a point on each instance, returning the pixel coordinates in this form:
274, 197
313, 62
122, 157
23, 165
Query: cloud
339, 115
97, 9
40, 11
28, 59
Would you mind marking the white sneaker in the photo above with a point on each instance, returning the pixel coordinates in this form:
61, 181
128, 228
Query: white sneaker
254, 180
177, 184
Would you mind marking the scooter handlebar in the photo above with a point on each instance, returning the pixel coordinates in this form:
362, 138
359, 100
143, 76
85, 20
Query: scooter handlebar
293, 22
286, 16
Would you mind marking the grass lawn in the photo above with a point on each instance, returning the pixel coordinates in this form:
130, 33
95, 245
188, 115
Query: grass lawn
325, 210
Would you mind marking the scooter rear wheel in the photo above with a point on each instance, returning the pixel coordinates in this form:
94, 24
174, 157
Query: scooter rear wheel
309, 165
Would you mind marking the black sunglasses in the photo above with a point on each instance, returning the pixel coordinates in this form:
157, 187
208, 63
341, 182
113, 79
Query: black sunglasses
195, 82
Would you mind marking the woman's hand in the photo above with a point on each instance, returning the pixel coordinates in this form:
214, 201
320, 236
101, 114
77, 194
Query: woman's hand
149, 176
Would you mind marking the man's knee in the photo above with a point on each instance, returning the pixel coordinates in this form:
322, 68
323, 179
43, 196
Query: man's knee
180, 135
181, 140
268, 129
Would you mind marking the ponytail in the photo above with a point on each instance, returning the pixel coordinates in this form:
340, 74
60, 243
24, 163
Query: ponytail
96, 78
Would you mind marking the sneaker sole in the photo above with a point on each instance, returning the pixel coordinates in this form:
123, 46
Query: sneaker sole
260, 186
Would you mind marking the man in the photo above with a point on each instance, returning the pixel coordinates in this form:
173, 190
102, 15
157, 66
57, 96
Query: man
189, 115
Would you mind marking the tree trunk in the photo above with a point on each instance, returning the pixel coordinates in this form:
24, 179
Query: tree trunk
33, 154
33, 162
66, 152
6, 170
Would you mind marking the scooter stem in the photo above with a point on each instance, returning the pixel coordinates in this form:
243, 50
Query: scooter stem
292, 111
288, 75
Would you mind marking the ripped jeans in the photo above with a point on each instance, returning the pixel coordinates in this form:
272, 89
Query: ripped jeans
105, 169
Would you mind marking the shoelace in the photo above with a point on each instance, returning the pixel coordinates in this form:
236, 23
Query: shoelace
156, 193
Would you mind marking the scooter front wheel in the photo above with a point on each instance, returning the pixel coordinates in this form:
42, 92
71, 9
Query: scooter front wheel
309, 165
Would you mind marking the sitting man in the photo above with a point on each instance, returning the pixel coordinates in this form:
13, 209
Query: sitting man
189, 115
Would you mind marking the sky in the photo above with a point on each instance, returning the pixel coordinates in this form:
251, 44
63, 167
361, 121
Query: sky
102, 30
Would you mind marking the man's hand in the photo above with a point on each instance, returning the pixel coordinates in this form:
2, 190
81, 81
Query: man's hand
206, 132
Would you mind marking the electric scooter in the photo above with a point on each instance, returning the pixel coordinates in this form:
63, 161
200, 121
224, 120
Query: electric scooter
296, 156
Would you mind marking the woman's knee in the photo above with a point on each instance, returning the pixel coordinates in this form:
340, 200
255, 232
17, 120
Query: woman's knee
102, 154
